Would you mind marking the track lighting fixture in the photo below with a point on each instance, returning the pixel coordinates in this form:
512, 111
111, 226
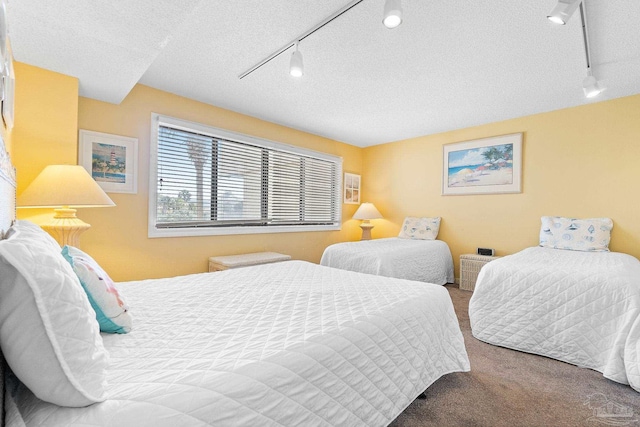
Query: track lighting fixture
563, 11
591, 86
392, 14
296, 68
560, 15
392, 18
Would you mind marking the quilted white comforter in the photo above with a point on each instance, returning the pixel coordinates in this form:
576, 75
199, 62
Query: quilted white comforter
423, 260
291, 343
579, 307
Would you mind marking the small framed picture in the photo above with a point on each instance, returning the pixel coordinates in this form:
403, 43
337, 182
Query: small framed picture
352, 189
112, 160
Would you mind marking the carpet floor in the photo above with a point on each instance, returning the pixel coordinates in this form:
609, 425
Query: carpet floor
511, 388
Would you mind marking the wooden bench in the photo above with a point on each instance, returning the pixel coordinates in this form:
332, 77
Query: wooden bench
220, 263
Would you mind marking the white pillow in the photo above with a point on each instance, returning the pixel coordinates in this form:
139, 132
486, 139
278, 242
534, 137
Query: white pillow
48, 331
111, 311
592, 234
420, 228
33, 232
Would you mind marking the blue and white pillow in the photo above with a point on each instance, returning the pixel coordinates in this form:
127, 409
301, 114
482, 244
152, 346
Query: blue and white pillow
420, 228
112, 312
589, 235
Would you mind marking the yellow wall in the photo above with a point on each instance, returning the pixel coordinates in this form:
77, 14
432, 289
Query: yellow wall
48, 116
579, 162
46, 121
576, 162
45, 126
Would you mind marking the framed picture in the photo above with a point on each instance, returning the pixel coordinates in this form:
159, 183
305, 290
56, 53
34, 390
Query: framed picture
352, 189
483, 166
112, 160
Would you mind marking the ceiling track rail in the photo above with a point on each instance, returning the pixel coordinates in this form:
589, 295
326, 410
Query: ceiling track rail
301, 37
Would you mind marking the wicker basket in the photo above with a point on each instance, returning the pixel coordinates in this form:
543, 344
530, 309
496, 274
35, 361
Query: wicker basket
470, 266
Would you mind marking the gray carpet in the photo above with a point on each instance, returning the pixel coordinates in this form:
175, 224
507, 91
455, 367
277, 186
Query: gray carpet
510, 388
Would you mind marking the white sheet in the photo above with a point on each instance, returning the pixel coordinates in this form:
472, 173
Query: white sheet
290, 343
579, 307
423, 260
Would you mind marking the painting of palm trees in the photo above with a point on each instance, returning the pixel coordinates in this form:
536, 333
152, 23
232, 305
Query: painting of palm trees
483, 166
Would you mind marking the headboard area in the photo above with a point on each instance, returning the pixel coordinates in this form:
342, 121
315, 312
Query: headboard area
7, 216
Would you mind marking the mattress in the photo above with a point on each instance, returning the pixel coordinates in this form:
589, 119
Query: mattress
581, 308
422, 260
291, 343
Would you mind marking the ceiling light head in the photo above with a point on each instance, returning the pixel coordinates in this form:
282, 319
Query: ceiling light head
563, 11
591, 86
392, 14
296, 69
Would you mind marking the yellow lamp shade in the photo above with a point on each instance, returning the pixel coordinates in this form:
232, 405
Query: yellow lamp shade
64, 187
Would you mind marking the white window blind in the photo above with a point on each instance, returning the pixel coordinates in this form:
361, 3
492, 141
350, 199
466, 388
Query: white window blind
213, 179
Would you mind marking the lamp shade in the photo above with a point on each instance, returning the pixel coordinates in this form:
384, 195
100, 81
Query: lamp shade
63, 185
367, 211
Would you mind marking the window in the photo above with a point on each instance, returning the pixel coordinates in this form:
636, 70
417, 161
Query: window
207, 181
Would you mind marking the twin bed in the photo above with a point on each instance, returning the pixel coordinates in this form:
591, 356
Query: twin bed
564, 300
422, 260
414, 255
291, 343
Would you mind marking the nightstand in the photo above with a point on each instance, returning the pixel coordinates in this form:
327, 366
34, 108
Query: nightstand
470, 265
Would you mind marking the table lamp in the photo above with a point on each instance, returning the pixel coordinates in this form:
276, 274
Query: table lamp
365, 212
64, 187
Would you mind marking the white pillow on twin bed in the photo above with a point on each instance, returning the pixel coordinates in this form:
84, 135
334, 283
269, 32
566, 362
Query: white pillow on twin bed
589, 235
420, 228
48, 330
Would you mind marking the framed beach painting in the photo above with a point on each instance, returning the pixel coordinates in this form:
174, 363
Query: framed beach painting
483, 166
112, 160
351, 189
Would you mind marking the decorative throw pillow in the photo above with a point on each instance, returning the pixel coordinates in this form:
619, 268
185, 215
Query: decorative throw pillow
591, 234
111, 310
420, 228
48, 331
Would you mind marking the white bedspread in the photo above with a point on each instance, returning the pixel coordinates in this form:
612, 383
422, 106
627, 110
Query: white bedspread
579, 307
291, 343
423, 260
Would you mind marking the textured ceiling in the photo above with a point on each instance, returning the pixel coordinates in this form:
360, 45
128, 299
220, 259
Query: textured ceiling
451, 64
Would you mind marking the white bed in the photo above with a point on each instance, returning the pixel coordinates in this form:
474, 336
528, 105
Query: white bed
422, 260
582, 308
284, 344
